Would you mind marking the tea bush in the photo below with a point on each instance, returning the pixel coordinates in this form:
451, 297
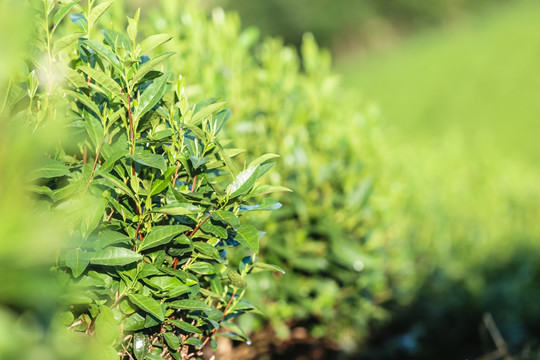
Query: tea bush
296, 104
152, 199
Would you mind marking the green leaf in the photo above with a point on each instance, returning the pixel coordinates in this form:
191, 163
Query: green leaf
265, 204
97, 12
66, 41
141, 345
269, 267
262, 159
77, 260
194, 342
95, 130
85, 101
110, 237
236, 329
153, 41
148, 304
236, 279
174, 272
164, 283
189, 305
116, 39
185, 326
248, 235
106, 328
49, 168
220, 119
151, 160
148, 66
75, 77
198, 161
206, 111
172, 340
151, 96
201, 267
134, 322
105, 81
243, 182
217, 231
114, 152
178, 209
115, 183
228, 217
267, 189
226, 158
105, 52
62, 12
161, 235
114, 256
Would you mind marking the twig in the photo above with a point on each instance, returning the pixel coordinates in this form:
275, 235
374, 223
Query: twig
502, 349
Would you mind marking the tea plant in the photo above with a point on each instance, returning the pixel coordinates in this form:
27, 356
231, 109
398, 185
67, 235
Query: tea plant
154, 199
328, 139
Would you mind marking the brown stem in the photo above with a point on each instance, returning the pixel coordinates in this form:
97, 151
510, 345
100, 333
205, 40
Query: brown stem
176, 173
131, 130
201, 223
85, 153
222, 317
95, 163
195, 230
194, 182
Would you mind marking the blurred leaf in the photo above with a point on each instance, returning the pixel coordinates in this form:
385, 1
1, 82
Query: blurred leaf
154, 41
206, 111
49, 168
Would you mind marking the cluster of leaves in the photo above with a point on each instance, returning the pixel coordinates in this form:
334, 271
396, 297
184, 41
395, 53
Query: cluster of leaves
151, 197
321, 238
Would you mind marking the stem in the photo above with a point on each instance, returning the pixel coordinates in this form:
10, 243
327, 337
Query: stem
95, 163
194, 182
204, 220
176, 173
131, 130
49, 55
222, 317
6, 97
194, 231
84, 154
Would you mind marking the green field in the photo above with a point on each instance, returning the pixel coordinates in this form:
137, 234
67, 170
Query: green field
479, 78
